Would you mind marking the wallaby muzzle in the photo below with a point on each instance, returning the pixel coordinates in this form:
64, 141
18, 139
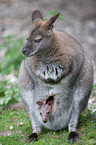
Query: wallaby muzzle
24, 50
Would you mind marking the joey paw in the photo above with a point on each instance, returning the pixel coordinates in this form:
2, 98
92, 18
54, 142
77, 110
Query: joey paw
73, 136
33, 137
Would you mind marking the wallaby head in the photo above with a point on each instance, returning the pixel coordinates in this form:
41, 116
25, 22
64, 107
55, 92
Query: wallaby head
40, 38
46, 108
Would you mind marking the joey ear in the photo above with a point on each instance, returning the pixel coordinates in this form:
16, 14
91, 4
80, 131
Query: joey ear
49, 23
39, 103
36, 14
50, 100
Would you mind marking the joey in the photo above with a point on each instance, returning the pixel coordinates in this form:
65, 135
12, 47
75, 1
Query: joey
46, 108
55, 65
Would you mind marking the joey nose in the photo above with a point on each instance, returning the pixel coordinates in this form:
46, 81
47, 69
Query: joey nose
44, 121
24, 50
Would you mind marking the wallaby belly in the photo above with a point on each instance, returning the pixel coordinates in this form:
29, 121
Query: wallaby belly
62, 105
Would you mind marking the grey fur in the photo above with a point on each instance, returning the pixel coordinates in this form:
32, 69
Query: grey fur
61, 68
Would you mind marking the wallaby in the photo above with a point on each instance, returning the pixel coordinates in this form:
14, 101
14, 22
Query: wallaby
46, 108
57, 65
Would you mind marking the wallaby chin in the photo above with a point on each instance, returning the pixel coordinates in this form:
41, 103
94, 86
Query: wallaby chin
56, 80
29, 55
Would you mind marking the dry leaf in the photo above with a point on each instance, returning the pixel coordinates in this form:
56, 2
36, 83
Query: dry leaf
11, 127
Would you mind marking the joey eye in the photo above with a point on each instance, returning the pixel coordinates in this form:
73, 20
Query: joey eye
40, 113
37, 40
47, 112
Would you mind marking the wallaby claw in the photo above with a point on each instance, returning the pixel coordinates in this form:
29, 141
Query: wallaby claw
33, 137
73, 136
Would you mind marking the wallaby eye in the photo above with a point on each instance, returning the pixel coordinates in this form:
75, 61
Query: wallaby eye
47, 112
40, 113
37, 40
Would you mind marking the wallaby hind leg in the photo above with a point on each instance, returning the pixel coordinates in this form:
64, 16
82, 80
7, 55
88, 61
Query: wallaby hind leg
26, 89
36, 128
79, 104
80, 100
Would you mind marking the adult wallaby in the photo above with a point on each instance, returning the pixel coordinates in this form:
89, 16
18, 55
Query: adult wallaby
55, 64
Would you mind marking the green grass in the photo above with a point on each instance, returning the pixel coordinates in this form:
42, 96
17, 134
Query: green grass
13, 56
19, 134
9, 92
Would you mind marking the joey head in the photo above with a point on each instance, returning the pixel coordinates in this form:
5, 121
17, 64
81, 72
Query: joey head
55, 64
46, 108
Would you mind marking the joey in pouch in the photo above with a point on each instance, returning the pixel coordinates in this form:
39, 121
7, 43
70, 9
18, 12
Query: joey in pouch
57, 70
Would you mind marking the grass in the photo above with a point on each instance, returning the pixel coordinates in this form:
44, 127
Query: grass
9, 93
19, 134
10, 64
13, 56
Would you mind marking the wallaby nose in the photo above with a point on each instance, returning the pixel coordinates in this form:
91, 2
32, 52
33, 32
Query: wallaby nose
24, 50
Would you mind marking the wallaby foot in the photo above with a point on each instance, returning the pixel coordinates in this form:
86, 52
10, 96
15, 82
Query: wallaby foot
73, 136
33, 137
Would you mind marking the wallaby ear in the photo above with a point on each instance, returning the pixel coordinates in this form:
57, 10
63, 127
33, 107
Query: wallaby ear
39, 103
36, 14
50, 22
50, 100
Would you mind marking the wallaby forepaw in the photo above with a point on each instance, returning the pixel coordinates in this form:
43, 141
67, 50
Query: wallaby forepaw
53, 74
33, 137
73, 136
